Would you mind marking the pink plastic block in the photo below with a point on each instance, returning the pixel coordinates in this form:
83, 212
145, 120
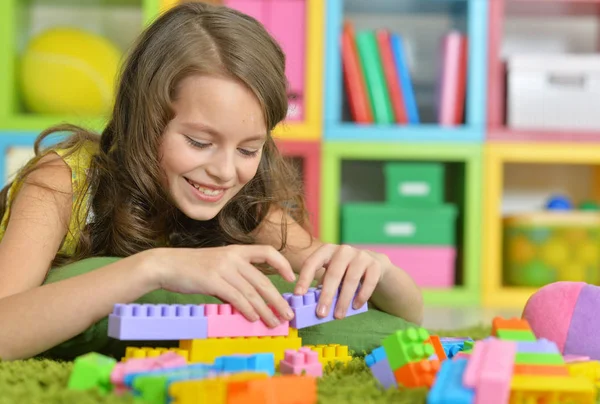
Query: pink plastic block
165, 361
287, 24
490, 370
254, 8
225, 321
304, 360
429, 266
575, 358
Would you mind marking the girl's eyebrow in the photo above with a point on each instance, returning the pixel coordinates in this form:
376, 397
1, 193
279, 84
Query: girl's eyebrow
201, 127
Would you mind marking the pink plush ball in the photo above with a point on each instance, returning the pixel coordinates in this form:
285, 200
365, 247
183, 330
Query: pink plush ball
567, 313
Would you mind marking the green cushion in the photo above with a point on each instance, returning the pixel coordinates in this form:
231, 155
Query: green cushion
361, 333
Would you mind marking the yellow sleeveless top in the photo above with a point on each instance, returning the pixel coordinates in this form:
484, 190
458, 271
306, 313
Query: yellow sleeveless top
79, 163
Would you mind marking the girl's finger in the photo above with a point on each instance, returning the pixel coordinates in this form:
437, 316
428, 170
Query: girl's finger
265, 254
335, 272
258, 289
369, 283
232, 295
315, 262
355, 272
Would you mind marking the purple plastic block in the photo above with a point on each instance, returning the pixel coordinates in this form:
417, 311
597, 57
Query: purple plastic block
305, 309
542, 345
382, 371
157, 322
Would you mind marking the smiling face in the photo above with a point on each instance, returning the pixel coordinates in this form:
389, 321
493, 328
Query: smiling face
213, 145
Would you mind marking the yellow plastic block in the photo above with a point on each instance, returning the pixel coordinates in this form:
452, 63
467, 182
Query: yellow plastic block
589, 370
149, 352
331, 353
207, 350
213, 391
555, 389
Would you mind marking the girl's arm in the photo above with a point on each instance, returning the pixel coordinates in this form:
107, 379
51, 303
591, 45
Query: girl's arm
395, 292
35, 318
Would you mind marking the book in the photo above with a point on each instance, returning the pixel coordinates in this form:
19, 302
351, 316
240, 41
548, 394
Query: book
389, 70
403, 71
354, 80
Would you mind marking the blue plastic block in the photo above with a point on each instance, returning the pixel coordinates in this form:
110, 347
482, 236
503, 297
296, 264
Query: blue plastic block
200, 367
263, 362
542, 345
448, 387
375, 356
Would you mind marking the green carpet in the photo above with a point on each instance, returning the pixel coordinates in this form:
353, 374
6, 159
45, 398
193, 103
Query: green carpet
42, 381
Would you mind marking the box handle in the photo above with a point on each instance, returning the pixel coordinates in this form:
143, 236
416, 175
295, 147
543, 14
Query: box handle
567, 80
414, 188
399, 229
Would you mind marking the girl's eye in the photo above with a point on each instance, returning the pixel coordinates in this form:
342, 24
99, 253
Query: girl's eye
248, 153
196, 143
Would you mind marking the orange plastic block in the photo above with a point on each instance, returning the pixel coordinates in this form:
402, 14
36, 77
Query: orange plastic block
331, 353
557, 389
286, 389
148, 352
541, 370
435, 342
213, 390
207, 350
417, 374
499, 323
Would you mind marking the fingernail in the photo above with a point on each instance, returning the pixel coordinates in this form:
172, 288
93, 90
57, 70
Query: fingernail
339, 314
289, 314
275, 320
321, 310
298, 290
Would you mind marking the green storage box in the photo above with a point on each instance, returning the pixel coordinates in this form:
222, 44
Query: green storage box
377, 223
414, 184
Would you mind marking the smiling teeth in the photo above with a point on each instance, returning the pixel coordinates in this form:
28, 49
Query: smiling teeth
207, 191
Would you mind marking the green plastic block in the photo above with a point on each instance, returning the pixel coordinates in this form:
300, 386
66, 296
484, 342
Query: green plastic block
525, 358
92, 370
468, 346
407, 346
414, 184
152, 389
377, 223
516, 335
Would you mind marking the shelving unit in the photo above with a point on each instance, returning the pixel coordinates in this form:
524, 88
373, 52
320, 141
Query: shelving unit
334, 153
470, 15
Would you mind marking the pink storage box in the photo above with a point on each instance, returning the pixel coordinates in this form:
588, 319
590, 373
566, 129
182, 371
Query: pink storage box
429, 266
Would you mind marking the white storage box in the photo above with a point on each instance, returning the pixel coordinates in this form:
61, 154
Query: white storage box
554, 92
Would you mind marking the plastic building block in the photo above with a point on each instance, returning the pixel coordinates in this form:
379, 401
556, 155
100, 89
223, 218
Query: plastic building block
435, 342
540, 389
382, 371
589, 370
490, 369
462, 355
499, 323
157, 322
539, 359
407, 346
331, 353
575, 358
225, 321
542, 345
91, 370
207, 350
448, 387
211, 390
132, 352
165, 361
286, 389
261, 362
305, 360
375, 356
153, 388
305, 309
516, 335
468, 345
540, 370
417, 374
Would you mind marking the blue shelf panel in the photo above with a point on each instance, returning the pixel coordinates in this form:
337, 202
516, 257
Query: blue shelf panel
408, 133
477, 31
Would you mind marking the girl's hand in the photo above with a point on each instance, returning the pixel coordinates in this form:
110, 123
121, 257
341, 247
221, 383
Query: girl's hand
228, 273
344, 265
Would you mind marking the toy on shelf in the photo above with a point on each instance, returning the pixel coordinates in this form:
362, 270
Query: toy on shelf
69, 71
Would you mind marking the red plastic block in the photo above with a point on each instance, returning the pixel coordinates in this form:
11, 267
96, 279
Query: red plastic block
303, 360
287, 389
499, 323
225, 321
417, 374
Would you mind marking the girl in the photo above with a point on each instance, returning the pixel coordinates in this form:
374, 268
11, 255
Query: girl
187, 184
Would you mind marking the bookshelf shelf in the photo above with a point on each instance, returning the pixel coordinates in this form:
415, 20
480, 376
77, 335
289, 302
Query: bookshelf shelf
537, 136
473, 13
468, 157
